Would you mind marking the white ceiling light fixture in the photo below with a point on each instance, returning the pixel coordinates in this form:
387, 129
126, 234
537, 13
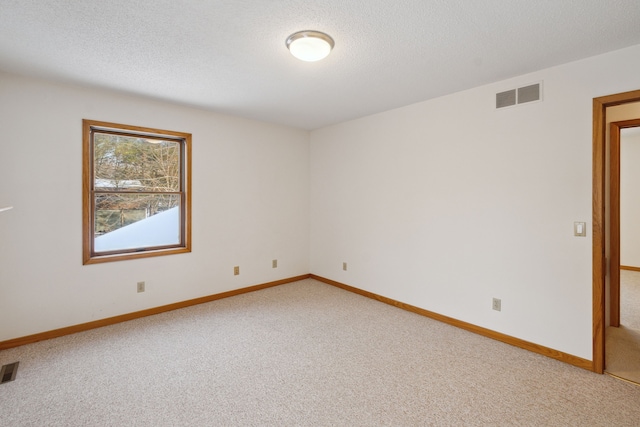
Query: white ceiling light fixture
310, 46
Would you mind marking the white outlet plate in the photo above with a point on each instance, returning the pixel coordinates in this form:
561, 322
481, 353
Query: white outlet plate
141, 287
344, 266
497, 304
274, 263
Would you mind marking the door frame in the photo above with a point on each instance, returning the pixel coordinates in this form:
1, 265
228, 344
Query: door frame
599, 261
614, 217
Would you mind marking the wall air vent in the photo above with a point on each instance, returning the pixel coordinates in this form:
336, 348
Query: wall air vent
506, 99
521, 95
8, 372
529, 93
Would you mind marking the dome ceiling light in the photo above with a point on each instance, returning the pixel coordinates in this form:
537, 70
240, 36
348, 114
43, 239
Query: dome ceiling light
310, 45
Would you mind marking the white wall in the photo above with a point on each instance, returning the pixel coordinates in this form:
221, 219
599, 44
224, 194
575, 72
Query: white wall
250, 205
442, 204
447, 203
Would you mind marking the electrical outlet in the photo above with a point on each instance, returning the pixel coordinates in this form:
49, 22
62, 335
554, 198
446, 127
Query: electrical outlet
497, 304
236, 270
274, 263
344, 266
140, 287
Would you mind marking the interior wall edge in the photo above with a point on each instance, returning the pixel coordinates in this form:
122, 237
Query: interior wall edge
507, 339
56, 333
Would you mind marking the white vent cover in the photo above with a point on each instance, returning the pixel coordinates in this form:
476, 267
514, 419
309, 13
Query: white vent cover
521, 95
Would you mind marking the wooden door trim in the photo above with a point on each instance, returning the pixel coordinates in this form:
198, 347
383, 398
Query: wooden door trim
614, 225
600, 106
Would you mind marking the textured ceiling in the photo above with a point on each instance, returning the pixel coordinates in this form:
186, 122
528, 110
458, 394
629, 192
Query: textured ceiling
230, 56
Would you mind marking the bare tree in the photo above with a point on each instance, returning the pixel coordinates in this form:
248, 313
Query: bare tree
134, 178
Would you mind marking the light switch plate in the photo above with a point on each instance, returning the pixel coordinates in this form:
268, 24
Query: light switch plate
580, 229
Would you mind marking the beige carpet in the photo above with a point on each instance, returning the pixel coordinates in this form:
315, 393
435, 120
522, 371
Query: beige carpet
623, 344
623, 353
303, 354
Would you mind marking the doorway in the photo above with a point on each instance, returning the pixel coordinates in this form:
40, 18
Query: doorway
600, 249
615, 161
622, 336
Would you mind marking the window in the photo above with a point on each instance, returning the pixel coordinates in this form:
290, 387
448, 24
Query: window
136, 192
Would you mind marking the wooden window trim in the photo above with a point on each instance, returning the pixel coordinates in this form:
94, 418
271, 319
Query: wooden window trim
88, 257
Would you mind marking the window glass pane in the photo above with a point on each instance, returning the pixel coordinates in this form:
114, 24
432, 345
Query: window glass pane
134, 221
135, 163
